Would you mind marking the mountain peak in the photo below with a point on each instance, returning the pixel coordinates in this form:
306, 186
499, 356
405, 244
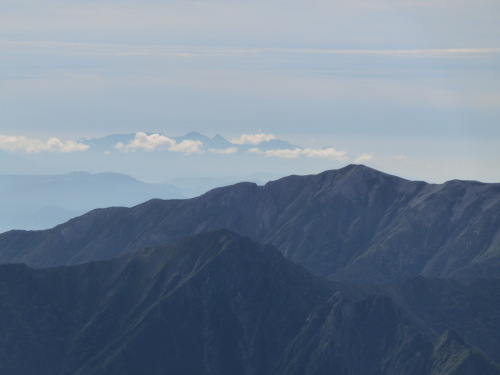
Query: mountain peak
194, 134
351, 223
218, 137
361, 169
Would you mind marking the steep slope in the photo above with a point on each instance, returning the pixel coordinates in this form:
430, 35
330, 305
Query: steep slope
354, 223
372, 337
436, 305
215, 303
212, 304
452, 356
357, 337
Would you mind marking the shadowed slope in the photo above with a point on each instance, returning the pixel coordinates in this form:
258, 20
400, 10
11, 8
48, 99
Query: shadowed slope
215, 303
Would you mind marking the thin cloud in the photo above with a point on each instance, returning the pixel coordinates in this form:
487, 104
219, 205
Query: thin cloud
434, 51
363, 158
325, 153
188, 147
32, 145
192, 51
252, 139
399, 157
321, 153
229, 150
151, 142
145, 142
284, 153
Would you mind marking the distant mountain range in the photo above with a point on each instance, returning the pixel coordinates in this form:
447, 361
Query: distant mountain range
400, 277
159, 158
217, 142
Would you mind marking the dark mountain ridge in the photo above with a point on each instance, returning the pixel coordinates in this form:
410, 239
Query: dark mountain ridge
214, 303
354, 223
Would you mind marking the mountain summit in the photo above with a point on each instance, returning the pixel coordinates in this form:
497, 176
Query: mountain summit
353, 223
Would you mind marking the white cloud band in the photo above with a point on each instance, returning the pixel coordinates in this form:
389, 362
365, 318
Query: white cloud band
229, 150
145, 142
192, 51
401, 157
187, 146
363, 158
157, 141
252, 139
320, 153
32, 145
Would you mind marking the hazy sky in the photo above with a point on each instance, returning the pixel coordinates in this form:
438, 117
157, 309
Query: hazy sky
413, 84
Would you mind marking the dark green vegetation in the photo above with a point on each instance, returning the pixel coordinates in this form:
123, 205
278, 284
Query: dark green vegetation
215, 303
413, 283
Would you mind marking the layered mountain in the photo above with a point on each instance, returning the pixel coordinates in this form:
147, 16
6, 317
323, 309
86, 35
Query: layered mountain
215, 303
354, 223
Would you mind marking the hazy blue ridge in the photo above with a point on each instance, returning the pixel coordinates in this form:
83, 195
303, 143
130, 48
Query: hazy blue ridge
43, 201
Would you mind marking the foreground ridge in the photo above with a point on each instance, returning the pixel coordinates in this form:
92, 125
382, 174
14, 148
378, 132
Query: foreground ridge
214, 303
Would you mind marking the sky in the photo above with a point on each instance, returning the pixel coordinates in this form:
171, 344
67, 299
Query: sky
408, 87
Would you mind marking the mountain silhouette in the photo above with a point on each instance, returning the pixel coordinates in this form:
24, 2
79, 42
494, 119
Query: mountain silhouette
354, 223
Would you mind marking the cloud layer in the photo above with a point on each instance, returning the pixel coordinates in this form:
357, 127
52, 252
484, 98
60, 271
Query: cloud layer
159, 142
32, 145
363, 158
320, 153
229, 150
252, 139
400, 157
143, 141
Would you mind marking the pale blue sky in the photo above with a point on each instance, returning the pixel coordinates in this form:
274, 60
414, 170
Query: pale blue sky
414, 84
